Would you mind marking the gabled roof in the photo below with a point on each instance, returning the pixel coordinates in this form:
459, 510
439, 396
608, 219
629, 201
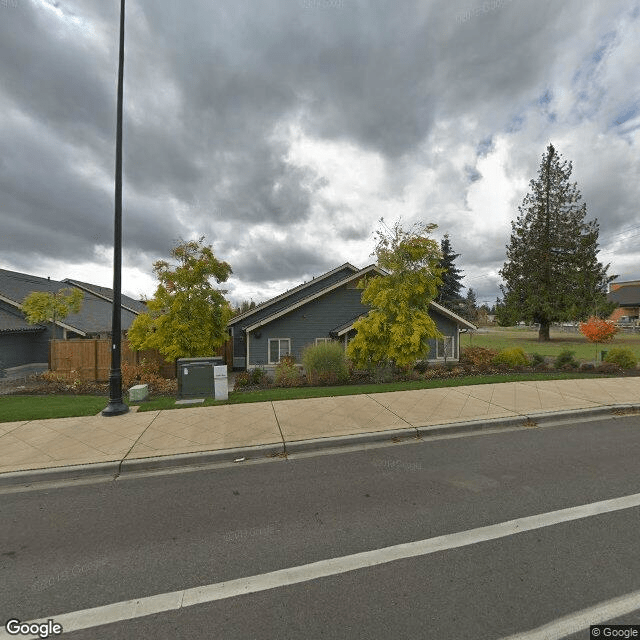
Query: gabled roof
300, 300
93, 317
296, 292
348, 326
626, 295
298, 303
14, 322
135, 306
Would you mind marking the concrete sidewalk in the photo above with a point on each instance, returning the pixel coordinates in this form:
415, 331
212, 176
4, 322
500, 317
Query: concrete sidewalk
68, 447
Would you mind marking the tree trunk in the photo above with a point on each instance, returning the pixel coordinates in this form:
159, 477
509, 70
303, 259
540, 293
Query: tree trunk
543, 333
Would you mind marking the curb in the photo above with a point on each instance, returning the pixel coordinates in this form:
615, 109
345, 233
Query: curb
199, 458
59, 474
119, 468
337, 442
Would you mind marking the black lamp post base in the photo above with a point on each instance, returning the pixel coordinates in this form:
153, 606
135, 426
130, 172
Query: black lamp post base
115, 408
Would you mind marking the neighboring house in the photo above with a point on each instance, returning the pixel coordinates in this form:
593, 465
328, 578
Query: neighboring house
323, 309
22, 343
627, 296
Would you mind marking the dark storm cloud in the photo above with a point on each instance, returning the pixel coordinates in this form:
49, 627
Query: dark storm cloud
267, 259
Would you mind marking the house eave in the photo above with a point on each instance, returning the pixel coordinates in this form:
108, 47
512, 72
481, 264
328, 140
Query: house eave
304, 301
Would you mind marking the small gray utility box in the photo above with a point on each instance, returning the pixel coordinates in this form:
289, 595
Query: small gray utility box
196, 376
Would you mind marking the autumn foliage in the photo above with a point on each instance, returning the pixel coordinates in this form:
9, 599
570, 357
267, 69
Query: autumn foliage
598, 330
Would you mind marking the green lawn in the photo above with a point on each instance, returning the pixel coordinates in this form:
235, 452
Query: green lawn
22, 408
297, 393
507, 337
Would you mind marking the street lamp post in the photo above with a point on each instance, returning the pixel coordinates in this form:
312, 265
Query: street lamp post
116, 406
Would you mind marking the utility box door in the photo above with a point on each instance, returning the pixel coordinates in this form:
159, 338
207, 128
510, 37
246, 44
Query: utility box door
195, 377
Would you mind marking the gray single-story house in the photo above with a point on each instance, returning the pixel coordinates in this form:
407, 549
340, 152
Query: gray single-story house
323, 309
22, 343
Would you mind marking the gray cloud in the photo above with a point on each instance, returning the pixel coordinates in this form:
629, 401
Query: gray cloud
213, 92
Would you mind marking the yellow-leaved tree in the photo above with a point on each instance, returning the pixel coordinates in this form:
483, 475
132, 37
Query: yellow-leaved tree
187, 317
44, 306
398, 327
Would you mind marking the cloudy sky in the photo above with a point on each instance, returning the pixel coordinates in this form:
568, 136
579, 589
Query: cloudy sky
282, 130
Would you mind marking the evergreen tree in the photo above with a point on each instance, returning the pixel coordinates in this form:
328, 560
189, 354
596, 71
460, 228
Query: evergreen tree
470, 306
449, 293
552, 272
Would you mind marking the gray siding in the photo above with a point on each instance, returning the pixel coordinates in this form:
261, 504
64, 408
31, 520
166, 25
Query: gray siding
447, 327
305, 324
315, 286
23, 347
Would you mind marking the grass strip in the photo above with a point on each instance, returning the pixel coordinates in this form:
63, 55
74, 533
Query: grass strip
23, 408
300, 393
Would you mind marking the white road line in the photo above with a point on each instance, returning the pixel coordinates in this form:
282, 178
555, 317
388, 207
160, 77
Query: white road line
581, 620
140, 607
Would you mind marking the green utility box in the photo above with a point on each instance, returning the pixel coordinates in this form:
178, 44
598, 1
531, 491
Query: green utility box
196, 377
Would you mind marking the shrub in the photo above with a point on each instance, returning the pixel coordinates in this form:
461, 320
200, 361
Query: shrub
147, 373
537, 360
565, 360
325, 363
243, 379
598, 330
287, 374
384, 373
514, 357
421, 366
608, 367
258, 376
477, 356
622, 356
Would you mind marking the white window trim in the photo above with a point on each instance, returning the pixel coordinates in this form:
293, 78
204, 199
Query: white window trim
450, 355
278, 340
321, 340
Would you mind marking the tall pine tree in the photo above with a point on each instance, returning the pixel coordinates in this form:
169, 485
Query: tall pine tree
449, 293
552, 272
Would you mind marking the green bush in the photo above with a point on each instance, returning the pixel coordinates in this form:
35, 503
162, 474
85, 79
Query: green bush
325, 363
514, 357
258, 376
287, 374
421, 366
622, 356
243, 379
537, 360
565, 360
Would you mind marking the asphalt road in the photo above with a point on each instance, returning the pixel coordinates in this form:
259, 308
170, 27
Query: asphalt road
81, 545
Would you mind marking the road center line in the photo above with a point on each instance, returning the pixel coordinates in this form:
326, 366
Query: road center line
150, 605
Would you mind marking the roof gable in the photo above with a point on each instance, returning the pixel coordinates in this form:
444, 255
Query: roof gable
626, 295
290, 297
94, 316
313, 296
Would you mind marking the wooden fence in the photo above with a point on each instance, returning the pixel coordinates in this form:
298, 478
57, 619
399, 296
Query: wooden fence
90, 359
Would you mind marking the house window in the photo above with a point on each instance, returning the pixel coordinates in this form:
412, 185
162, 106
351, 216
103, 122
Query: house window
444, 347
321, 340
278, 347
